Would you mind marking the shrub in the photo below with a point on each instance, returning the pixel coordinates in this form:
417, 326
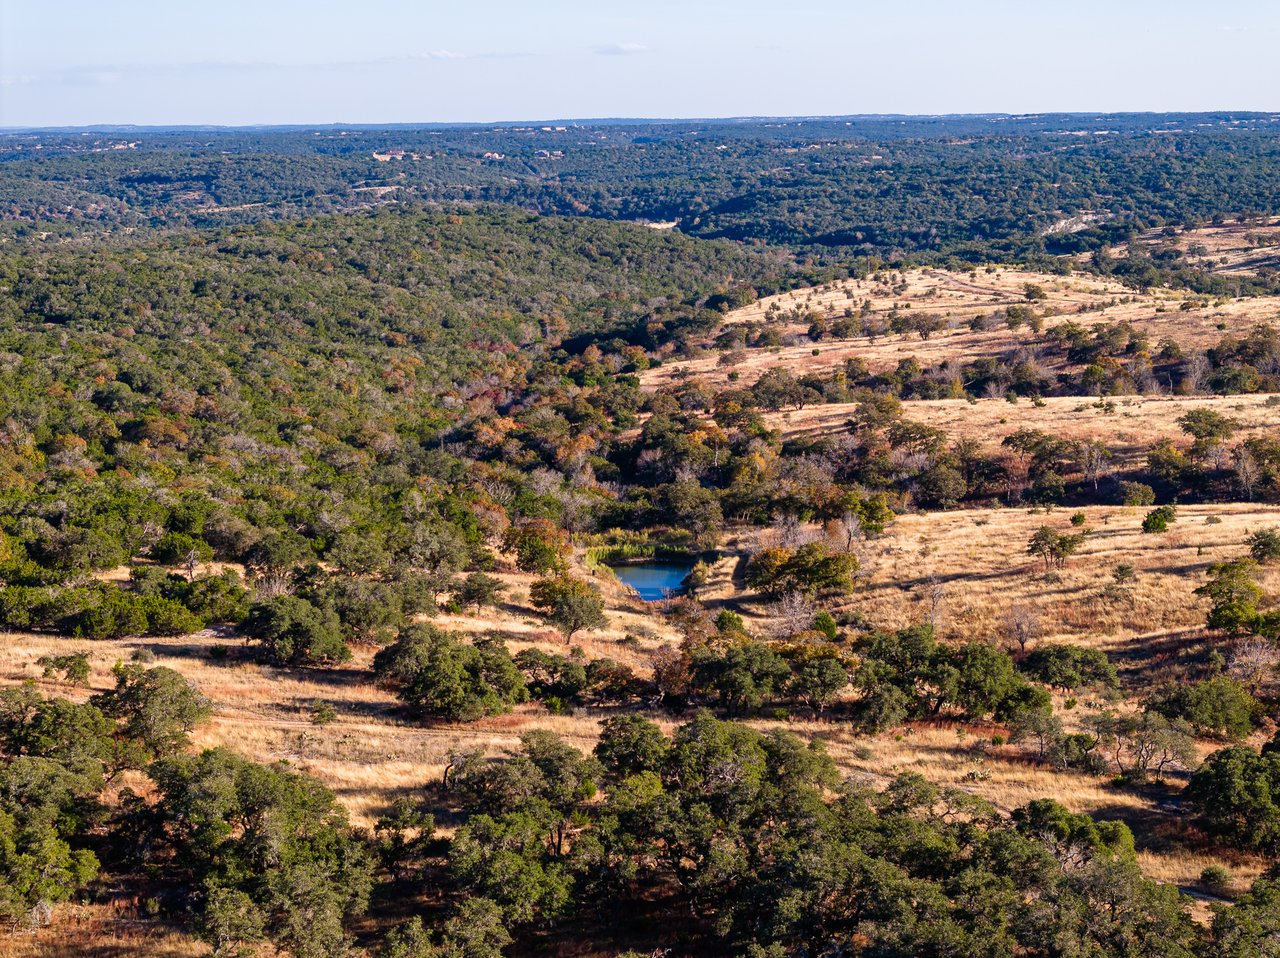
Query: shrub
826, 624
437, 674
729, 622
1217, 878
1159, 519
293, 631
167, 617
110, 613
1264, 546
1218, 706
1137, 494
74, 667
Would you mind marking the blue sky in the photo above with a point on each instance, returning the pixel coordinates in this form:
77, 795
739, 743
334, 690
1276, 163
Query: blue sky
71, 62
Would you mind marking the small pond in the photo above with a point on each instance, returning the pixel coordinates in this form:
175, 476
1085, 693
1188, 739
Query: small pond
656, 579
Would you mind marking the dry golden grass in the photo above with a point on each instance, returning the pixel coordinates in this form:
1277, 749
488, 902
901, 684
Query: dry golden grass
372, 754
1241, 248
959, 297
115, 929
980, 556
1128, 425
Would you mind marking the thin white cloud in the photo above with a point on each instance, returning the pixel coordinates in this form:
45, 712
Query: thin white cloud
621, 49
439, 55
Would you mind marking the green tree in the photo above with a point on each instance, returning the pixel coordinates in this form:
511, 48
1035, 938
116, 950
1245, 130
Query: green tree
438, 674
1053, 548
479, 590
1070, 667
540, 547
1218, 706
294, 631
156, 708
569, 604
629, 745
1234, 594
275, 840
1250, 926
1237, 793
745, 676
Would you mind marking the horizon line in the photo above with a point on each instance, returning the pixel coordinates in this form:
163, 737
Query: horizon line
618, 120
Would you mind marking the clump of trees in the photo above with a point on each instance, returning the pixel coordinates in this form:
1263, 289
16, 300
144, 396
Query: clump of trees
909, 673
438, 674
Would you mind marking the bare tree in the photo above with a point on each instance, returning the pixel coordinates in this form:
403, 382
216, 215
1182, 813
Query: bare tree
1196, 373
791, 614
1093, 461
1254, 662
1022, 626
934, 599
1218, 455
1247, 472
789, 532
847, 530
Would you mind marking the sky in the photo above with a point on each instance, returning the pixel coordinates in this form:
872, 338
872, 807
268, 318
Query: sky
239, 62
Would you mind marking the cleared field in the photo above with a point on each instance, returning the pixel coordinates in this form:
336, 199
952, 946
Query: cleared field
980, 556
958, 298
1151, 626
1128, 425
373, 753
1241, 248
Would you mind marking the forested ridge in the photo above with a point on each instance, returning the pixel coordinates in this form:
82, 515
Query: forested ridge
975, 187
395, 441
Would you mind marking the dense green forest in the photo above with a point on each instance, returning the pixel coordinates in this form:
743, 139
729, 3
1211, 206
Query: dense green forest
364, 406
976, 187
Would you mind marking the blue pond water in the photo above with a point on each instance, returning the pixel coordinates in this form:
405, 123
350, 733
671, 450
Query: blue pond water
653, 580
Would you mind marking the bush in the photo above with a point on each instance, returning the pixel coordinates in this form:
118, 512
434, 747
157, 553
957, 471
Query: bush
1217, 879
74, 667
293, 631
1264, 546
826, 624
438, 674
1159, 519
1219, 706
729, 622
1137, 494
109, 613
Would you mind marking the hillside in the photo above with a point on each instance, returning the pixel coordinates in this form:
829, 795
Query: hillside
315, 643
